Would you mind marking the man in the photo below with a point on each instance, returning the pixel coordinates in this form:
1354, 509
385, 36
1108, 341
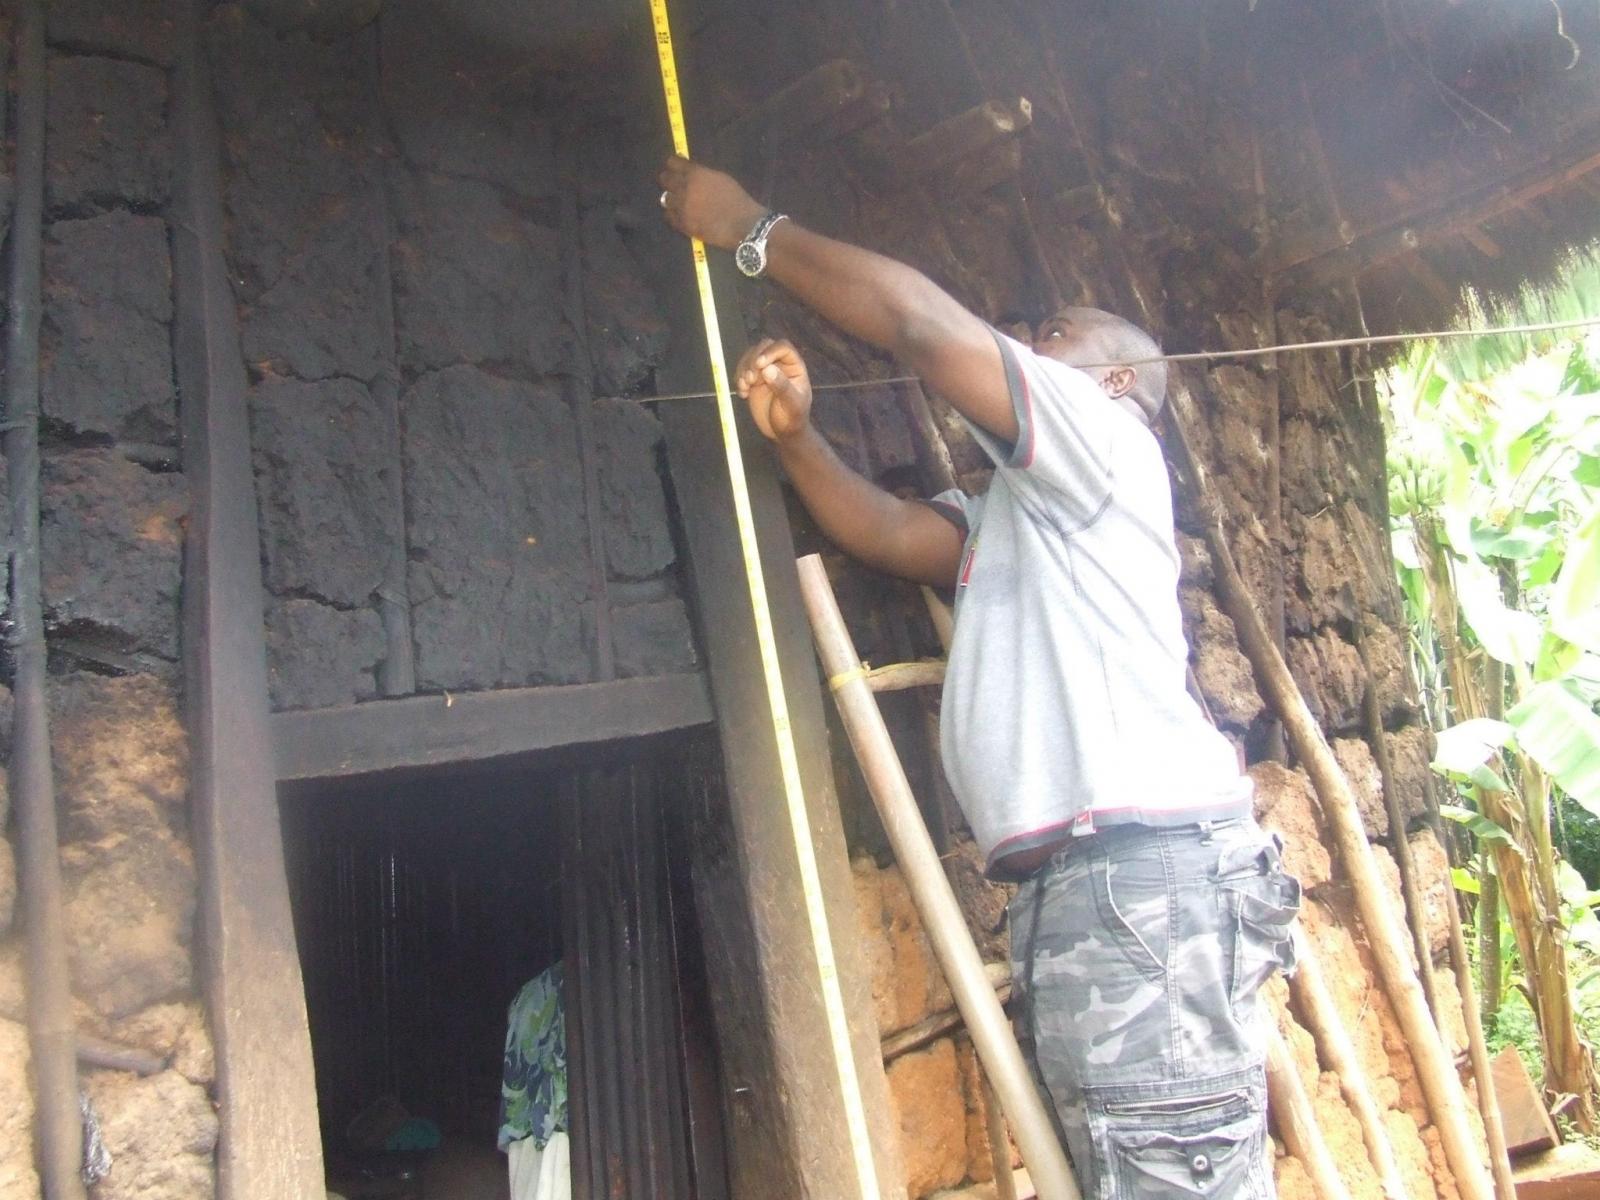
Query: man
533, 1091
1151, 906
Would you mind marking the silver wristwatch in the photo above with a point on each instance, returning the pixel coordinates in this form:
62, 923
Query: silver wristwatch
751, 254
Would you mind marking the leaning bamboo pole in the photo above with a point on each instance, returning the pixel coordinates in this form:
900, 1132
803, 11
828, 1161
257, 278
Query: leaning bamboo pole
1296, 1120
986, 1021
994, 1126
1505, 1185
1441, 1087
50, 1026
1317, 1010
1482, 1074
1399, 843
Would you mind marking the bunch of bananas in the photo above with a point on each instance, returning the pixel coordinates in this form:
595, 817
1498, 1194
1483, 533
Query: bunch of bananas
1415, 483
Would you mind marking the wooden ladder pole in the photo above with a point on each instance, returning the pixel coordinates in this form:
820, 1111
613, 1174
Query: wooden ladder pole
994, 1124
936, 903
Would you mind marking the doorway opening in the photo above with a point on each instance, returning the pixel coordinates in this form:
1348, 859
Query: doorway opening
423, 902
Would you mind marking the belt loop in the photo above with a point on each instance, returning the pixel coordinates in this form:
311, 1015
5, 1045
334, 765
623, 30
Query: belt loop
1205, 833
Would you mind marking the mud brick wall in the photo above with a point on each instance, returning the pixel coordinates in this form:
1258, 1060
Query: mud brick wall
424, 383
113, 504
936, 1089
402, 267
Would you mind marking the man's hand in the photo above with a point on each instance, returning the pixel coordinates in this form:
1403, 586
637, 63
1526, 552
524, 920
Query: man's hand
706, 204
772, 378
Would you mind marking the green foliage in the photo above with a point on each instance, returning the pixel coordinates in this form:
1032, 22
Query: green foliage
1559, 730
1582, 847
1494, 491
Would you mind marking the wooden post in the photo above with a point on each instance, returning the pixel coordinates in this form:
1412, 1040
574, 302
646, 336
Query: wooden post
787, 1128
805, 1090
930, 890
1441, 1087
50, 1017
270, 1146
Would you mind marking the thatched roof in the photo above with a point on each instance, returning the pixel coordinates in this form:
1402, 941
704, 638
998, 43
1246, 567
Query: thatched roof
1418, 146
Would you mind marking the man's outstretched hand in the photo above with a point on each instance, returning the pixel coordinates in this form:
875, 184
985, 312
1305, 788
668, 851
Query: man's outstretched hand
772, 378
706, 204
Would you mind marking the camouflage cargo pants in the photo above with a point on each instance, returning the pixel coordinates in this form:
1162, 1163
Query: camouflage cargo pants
1137, 954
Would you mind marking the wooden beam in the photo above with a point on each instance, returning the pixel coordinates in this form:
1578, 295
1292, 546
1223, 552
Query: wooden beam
270, 1146
1326, 253
786, 1128
810, 1111
422, 731
1481, 241
1570, 1172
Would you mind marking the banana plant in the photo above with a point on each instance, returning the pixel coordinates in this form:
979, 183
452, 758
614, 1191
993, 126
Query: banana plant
1494, 489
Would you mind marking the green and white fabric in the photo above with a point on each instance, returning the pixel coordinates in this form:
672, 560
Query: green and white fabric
533, 1090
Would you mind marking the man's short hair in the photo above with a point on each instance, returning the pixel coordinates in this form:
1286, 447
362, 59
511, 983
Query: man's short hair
1119, 341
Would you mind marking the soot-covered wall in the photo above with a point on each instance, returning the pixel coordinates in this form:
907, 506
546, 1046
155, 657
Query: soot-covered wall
431, 292
408, 209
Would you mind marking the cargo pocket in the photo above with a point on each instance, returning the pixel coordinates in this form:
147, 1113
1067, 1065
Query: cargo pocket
1262, 900
1206, 1145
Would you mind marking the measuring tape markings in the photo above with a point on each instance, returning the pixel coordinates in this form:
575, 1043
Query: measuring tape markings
788, 756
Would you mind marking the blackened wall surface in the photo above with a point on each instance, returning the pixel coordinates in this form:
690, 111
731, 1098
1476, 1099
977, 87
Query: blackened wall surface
402, 264
113, 504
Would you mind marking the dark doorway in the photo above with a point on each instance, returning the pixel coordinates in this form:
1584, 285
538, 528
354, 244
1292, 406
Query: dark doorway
424, 900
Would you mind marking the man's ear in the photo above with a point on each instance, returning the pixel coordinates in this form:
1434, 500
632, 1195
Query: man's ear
1119, 381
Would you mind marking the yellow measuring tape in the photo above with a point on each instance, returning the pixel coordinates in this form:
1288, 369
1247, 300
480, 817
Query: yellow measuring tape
788, 758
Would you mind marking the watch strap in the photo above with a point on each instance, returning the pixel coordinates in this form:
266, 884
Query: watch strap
762, 228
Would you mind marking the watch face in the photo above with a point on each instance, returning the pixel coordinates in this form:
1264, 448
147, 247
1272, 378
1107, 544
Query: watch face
749, 259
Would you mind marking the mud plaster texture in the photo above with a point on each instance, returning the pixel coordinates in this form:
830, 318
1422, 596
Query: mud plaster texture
936, 1090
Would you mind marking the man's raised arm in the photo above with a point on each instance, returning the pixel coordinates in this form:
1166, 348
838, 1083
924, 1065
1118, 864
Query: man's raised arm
883, 302
898, 536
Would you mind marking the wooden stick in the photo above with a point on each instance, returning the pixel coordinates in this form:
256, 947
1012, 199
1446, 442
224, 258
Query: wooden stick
1005, 1184
1296, 1120
1400, 844
1436, 1074
1494, 1129
1317, 1009
947, 1020
58, 1126
93, 1052
897, 677
1505, 1185
936, 903
964, 135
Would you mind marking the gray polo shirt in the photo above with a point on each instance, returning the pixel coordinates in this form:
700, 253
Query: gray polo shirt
1065, 707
